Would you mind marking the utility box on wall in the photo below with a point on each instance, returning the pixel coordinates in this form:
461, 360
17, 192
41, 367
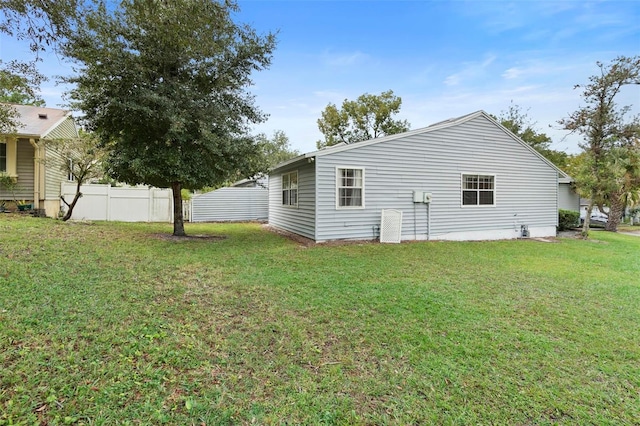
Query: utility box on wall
422, 197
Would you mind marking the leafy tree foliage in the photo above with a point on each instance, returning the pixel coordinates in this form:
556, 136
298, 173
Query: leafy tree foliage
164, 85
85, 163
368, 117
277, 149
18, 85
43, 24
519, 123
19, 89
609, 167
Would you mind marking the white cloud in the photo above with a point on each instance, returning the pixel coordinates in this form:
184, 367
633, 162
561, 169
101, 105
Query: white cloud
329, 94
470, 71
512, 73
452, 80
344, 59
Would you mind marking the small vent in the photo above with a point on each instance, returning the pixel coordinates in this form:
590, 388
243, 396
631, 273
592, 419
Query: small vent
391, 226
42, 116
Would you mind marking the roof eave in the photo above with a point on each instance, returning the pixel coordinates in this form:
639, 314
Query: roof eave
292, 161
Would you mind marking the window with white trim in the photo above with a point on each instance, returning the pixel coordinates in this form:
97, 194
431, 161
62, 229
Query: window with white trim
3, 157
70, 176
478, 190
290, 189
350, 187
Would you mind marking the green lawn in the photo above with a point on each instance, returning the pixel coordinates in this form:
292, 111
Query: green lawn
107, 324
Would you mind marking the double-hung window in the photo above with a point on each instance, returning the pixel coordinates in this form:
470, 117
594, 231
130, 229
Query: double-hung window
3, 157
290, 189
478, 190
70, 167
350, 188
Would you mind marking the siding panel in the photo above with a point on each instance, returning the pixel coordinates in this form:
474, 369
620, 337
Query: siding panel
231, 204
65, 130
526, 186
567, 198
300, 219
54, 175
24, 165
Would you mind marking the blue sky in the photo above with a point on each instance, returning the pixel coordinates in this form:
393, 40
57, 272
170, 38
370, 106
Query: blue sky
444, 59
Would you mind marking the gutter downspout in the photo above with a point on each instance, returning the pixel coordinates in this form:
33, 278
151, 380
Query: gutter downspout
36, 173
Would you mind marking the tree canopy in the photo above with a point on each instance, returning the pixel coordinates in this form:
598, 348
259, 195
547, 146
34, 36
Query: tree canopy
19, 89
43, 24
276, 149
368, 117
164, 86
611, 145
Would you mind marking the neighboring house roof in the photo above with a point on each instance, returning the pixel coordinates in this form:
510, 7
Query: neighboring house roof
259, 181
39, 121
436, 126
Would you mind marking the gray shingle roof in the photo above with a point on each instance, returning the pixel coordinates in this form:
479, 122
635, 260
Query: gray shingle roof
38, 121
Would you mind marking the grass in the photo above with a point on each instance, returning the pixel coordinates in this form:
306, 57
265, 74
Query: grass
110, 323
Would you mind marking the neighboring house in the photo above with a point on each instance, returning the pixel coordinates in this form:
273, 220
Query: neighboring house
26, 157
568, 198
483, 182
260, 181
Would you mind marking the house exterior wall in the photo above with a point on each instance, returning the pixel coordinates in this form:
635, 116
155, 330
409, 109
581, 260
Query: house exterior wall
298, 219
54, 175
25, 171
65, 130
567, 198
231, 204
525, 186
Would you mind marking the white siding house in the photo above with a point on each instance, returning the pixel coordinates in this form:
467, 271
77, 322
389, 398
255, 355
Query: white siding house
484, 183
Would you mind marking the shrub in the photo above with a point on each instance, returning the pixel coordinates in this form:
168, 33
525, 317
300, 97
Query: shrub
568, 219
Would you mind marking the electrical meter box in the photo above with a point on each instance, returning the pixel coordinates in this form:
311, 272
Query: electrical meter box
421, 197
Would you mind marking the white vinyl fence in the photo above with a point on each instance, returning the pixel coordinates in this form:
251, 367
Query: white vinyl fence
126, 204
231, 204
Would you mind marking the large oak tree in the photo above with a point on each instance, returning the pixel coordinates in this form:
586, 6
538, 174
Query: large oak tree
164, 85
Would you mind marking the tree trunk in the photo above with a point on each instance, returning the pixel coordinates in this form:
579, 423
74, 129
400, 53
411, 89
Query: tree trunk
614, 216
587, 221
71, 206
178, 220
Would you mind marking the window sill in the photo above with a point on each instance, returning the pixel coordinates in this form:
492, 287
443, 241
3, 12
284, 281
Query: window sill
350, 208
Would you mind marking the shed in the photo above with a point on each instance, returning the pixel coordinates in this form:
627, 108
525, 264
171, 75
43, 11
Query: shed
232, 204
